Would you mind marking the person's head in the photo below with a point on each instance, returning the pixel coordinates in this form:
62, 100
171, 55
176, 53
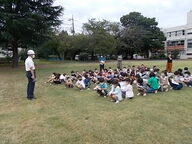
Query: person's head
176, 73
80, 78
115, 82
137, 76
152, 74
188, 73
165, 73
128, 81
186, 68
140, 81
101, 80
85, 75
31, 53
169, 55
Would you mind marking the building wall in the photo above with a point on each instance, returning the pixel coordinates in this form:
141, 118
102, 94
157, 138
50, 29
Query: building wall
180, 38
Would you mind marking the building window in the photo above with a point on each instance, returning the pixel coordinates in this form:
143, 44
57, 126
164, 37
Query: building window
189, 44
179, 33
169, 34
183, 32
175, 43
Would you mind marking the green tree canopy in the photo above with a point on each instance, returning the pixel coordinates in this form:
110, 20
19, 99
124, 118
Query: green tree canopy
102, 36
25, 22
140, 34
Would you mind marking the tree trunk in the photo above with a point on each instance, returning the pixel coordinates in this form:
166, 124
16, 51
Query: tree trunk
15, 57
92, 55
131, 54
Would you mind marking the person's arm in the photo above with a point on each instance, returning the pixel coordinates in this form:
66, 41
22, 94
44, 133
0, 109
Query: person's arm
32, 72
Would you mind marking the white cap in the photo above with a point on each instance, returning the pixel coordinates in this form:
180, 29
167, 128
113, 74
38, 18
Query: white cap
30, 52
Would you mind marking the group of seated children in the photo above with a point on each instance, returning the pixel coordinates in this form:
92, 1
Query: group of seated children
117, 84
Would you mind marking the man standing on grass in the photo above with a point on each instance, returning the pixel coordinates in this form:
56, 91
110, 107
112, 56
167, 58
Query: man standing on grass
102, 63
30, 73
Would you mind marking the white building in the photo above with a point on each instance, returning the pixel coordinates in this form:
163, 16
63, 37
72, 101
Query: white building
180, 38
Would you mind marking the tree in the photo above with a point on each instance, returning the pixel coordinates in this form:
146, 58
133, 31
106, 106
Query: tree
140, 34
25, 22
102, 36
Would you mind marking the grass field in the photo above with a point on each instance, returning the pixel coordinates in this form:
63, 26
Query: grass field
68, 116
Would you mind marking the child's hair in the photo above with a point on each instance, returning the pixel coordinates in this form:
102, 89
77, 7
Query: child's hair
176, 73
186, 68
188, 73
101, 79
152, 74
115, 82
85, 75
140, 80
137, 76
129, 81
165, 73
180, 71
79, 77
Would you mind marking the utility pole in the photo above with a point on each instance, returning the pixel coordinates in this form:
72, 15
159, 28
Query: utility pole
73, 26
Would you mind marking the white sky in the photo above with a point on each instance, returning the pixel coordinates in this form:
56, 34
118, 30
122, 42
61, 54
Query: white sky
168, 13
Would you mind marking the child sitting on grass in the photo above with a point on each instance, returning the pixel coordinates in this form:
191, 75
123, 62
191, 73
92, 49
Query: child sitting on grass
152, 83
188, 79
140, 86
62, 78
116, 94
175, 83
101, 88
51, 78
163, 82
80, 83
129, 89
69, 82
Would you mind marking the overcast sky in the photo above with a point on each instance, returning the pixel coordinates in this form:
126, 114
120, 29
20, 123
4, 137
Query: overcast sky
168, 13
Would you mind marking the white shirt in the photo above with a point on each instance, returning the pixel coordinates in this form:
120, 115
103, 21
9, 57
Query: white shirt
80, 83
123, 85
62, 77
29, 63
129, 91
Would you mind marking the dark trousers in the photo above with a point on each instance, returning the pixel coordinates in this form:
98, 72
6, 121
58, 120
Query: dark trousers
30, 86
101, 67
176, 87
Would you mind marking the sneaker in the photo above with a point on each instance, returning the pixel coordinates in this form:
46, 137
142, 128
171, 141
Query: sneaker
144, 94
138, 94
190, 86
155, 91
117, 102
166, 90
104, 96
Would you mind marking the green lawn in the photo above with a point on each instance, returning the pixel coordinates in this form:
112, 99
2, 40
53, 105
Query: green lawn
67, 116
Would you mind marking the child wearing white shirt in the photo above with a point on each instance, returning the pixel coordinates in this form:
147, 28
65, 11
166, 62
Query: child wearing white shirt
116, 93
129, 89
80, 83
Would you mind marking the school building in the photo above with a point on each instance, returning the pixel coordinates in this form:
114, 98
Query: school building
179, 38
